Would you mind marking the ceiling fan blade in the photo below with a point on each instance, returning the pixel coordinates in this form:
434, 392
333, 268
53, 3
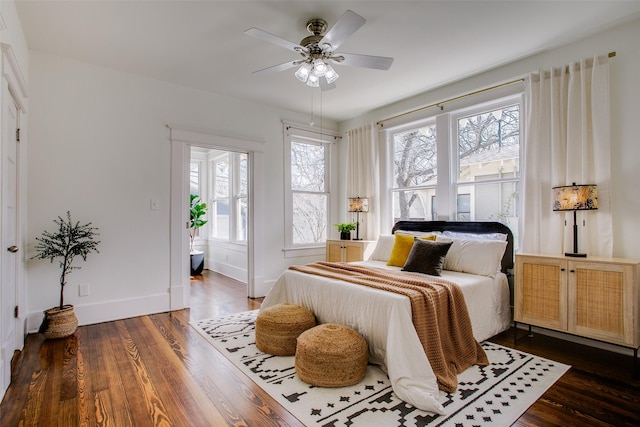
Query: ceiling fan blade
366, 61
279, 41
346, 25
279, 67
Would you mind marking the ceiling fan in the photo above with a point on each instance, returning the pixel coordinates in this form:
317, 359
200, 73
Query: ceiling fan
318, 51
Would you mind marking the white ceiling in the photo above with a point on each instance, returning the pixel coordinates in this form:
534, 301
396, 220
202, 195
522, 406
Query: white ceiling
202, 45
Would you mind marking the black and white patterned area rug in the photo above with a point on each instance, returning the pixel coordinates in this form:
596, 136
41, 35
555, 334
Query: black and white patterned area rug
494, 395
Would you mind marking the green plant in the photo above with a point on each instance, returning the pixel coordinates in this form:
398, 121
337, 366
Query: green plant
198, 210
346, 227
69, 241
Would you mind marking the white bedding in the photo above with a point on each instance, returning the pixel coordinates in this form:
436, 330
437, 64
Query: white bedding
384, 319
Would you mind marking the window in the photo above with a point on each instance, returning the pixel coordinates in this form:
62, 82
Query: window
228, 199
219, 204
415, 172
308, 183
488, 164
475, 174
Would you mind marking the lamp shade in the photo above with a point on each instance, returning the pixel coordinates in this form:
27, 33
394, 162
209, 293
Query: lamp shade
575, 197
358, 204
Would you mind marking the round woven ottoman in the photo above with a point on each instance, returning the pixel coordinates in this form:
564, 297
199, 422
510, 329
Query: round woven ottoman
278, 326
331, 355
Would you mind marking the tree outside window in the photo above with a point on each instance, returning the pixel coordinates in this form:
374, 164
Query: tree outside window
309, 192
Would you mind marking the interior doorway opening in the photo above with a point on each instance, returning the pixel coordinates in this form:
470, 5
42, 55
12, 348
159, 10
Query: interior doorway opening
219, 178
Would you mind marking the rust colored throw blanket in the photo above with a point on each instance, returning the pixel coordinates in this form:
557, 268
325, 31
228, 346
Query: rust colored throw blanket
439, 314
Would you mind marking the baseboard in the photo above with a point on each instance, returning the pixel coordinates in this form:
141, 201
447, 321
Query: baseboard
237, 273
107, 311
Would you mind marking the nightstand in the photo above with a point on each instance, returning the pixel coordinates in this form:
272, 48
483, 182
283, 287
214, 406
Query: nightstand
349, 250
590, 297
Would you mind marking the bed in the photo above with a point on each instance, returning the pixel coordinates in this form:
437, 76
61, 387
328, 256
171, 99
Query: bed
385, 318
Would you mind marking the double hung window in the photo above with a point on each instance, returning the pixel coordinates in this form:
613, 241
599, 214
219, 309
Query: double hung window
228, 200
462, 165
307, 187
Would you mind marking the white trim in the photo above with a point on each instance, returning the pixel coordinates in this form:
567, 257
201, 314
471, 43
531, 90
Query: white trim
14, 76
111, 310
215, 140
181, 140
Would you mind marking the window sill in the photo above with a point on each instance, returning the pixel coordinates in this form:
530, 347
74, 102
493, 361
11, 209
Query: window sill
304, 251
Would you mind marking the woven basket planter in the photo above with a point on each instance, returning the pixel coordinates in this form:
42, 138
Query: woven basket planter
331, 355
278, 327
59, 323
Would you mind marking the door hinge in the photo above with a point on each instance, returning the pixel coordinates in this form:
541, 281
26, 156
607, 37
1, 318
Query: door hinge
18, 135
16, 311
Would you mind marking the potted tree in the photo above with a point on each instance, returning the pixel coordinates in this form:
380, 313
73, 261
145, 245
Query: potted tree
198, 210
345, 230
69, 241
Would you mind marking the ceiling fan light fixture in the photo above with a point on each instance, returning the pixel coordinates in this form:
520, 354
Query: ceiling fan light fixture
303, 72
313, 80
319, 67
330, 74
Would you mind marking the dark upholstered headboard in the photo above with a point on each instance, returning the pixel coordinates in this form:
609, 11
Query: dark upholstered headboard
476, 227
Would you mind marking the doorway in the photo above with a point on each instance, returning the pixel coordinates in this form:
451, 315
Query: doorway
182, 139
220, 179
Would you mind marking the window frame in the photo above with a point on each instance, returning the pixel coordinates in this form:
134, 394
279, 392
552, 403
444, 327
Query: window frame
295, 132
447, 154
233, 196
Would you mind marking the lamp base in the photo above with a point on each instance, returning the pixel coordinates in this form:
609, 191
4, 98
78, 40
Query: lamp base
356, 239
575, 255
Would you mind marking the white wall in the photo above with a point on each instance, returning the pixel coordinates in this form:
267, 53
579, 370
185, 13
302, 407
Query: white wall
99, 147
625, 105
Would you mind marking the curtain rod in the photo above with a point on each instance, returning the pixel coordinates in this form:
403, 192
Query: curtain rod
321, 133
440, 104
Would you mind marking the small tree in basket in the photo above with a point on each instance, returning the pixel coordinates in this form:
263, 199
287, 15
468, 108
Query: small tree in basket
67, 242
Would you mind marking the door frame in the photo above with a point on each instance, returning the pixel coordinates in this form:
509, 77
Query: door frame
181, 141
14, 90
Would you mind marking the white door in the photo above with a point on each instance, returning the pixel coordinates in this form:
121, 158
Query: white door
10, 254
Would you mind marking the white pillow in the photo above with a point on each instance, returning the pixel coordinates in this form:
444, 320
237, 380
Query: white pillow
419, 233
482, 257
383, 249
475, 236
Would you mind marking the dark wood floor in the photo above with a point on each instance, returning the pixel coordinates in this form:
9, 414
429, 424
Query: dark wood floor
156, 370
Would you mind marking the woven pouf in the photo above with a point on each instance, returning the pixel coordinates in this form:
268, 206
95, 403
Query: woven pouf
331, 355
278, 326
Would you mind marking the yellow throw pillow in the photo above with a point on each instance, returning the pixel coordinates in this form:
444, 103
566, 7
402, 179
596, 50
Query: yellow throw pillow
402, 246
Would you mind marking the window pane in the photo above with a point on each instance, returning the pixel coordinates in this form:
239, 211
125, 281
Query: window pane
194, 178
309, 218
413, 204
243, 175
222, 177
307, 167
221, 226
489, 145
414, 157
490, 202
242, 220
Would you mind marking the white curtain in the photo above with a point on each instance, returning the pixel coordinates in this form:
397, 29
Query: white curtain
363, 177
567, 140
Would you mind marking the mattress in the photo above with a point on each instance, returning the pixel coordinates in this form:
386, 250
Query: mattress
384, 320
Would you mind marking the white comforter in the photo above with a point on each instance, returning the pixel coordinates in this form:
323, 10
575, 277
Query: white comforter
384, 319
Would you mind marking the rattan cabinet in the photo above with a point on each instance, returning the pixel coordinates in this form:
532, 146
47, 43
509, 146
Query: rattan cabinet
349, 250
591, 297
